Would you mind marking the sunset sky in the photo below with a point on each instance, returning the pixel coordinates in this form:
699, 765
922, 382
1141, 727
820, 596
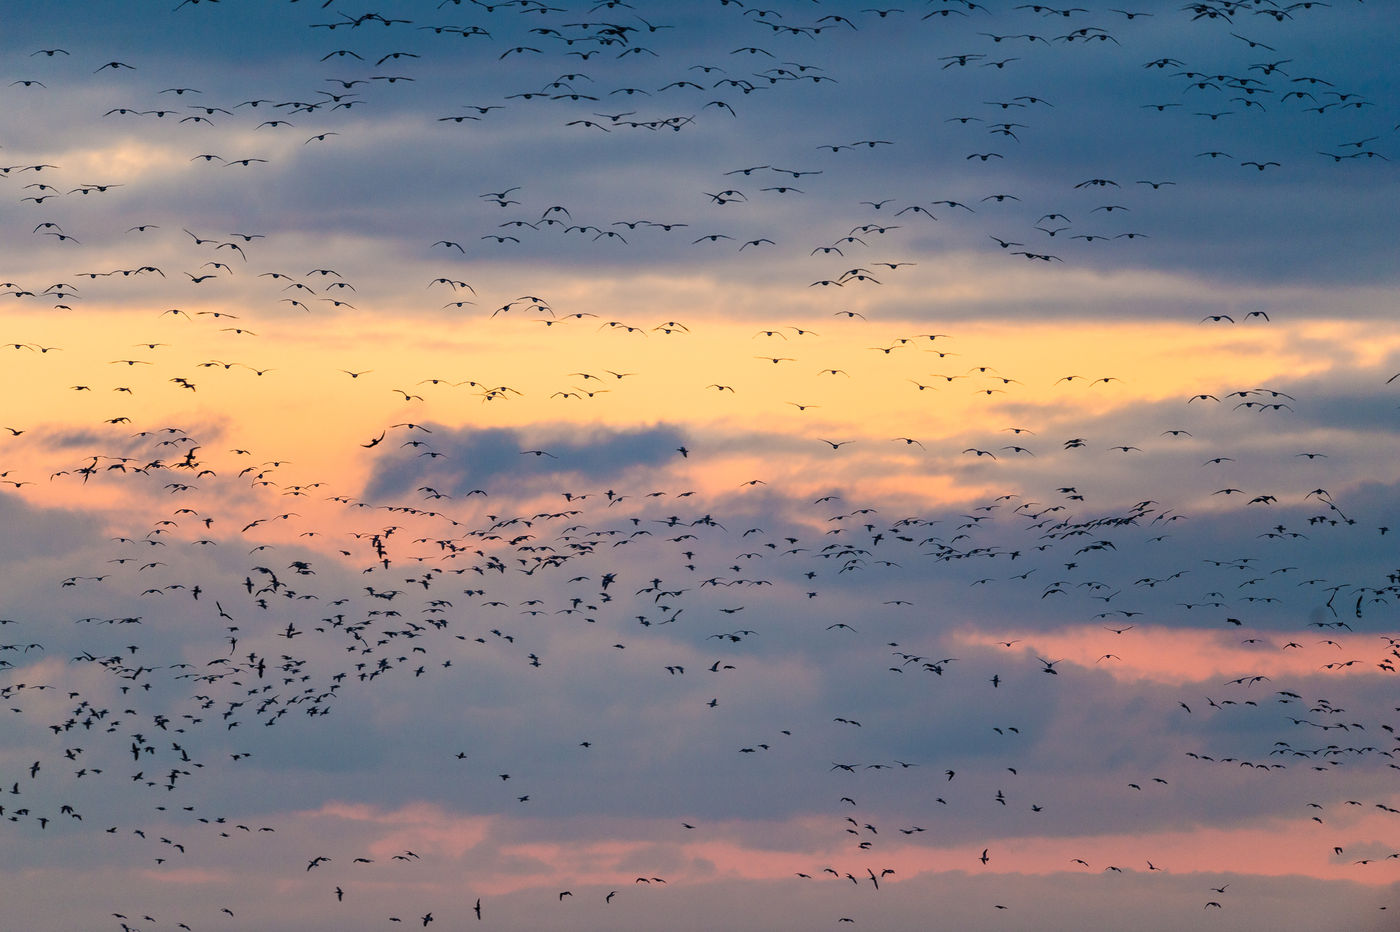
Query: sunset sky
696, 465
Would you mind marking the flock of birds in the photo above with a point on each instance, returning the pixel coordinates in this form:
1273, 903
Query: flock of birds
459, 549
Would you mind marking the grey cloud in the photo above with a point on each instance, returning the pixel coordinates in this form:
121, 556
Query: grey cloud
480, 458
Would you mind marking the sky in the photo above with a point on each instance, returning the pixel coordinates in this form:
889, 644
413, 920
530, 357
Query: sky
698, 465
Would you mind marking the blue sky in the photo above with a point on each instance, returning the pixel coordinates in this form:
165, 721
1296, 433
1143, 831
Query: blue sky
660, 451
